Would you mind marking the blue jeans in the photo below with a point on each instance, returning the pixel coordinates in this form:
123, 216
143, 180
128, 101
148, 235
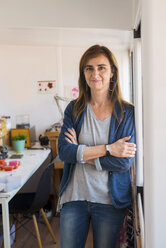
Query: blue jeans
75, 219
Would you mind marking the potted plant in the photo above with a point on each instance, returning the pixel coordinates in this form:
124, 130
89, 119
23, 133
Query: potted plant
19, 142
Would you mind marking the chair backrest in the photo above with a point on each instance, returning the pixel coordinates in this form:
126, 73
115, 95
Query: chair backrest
43, 189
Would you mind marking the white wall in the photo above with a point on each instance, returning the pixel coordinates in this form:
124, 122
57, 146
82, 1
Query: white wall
154, 104
66, 13
22, 66
136, 13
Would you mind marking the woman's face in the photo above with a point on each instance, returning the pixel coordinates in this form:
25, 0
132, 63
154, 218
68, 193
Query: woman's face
97, 73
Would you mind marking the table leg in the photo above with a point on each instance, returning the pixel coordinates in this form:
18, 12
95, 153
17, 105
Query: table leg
6, 226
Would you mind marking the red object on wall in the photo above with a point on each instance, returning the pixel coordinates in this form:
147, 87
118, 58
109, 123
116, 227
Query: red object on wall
50, 85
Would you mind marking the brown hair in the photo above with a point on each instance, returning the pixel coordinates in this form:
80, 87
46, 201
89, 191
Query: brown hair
84, 90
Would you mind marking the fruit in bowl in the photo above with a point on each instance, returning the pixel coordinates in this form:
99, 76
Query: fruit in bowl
12, 165
3, 162
8, 168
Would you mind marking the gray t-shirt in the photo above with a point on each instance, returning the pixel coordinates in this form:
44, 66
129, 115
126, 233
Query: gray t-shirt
89, 182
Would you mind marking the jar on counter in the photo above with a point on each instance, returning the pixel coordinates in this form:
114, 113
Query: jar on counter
22, 121
8, 122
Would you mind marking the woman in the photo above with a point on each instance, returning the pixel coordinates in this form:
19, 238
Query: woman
96, 143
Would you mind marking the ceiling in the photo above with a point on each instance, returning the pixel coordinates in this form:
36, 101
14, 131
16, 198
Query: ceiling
109, 14
66, 22
76, 37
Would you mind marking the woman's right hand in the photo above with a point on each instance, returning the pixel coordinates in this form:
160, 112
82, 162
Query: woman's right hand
122, 148
71, 136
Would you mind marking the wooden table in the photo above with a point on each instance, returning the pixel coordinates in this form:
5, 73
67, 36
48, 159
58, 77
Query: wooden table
53, 138
58, 165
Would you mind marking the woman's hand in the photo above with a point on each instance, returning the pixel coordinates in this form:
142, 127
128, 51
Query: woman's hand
122, 148
71, 136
